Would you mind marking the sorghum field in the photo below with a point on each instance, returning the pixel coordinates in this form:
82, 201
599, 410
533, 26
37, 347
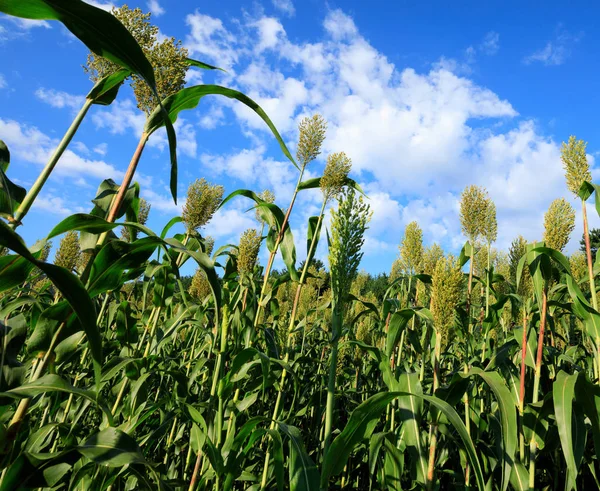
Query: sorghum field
475, 371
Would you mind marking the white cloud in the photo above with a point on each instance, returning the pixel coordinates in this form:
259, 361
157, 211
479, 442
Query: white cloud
155, 8
339, 25
59, 99
285, 6
27, 24
81, 147
122, 115
3, 83
160, 202
213, 118
416, 138
557, 51
210, 39
101, 149
269, 30
31, 145
490, 44
52, 204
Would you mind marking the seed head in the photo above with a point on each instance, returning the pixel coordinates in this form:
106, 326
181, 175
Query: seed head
143, 212
348, 226
517, 250
574, 159
335, 175
559, 222
431, 256
396, 271
312, 135
46, 251
167, 57
267, 196
411, 250
579, 268
248, 251
446, 288
69, 253
202, 202
490, 225
200, 287
209, 245
474, 205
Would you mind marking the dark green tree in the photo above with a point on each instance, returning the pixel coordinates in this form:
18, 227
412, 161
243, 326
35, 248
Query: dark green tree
594, 242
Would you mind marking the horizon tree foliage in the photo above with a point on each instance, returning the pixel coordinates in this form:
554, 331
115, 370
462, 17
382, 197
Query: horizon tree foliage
117, 372
594, 243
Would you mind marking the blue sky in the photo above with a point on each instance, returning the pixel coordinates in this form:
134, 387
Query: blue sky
425, 98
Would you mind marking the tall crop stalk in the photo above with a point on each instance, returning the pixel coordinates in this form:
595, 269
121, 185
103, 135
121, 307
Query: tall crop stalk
536, 380
334, 177
37, 186
348, 226
312, 134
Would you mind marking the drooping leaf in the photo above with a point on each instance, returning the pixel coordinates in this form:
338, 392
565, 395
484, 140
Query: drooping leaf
69, 286
189, 98
99, 30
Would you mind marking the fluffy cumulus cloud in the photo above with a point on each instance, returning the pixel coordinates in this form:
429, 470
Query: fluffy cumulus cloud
416, 137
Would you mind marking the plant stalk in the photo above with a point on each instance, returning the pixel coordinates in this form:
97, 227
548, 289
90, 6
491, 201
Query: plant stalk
37, 186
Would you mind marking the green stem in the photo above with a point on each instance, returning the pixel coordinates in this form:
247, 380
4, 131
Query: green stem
522, 387
536, 381
434, 429
263, 290
330, 395
45, 174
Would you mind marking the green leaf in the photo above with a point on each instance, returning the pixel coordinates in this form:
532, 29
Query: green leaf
410, 410
563, 392
4, 156
112, 448
314, 233
365, 414
100, 31
588, 395
315, 183
277, 451
14, 271
519, 477
508, 419
11, 195
53, 383
201, 64
69, 286
105, 90
393, 466
466, 253
304, 475
586, 190
189, 98
116, 257
398, 322
274, 217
